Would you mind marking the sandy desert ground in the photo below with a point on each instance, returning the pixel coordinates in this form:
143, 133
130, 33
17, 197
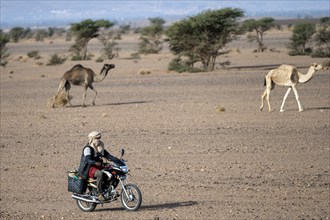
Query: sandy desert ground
190, 160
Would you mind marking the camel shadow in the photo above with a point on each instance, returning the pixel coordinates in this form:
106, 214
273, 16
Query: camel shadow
110, 104
129, 103
307, 109
264, 67
317, 108
170, 205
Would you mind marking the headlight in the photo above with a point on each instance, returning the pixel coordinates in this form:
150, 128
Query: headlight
124, 169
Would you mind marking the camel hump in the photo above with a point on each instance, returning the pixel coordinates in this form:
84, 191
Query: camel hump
287, 67
78, 66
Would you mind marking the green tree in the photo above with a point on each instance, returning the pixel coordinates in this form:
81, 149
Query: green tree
322, 39
84, 32
201, 38
16, 33
259, 27
151, 36
4, 39
301, 35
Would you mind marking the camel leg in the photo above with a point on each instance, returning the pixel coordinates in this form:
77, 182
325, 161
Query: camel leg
267, 98
262, 99
84, 95
284, 99
297, 98
67, 89
95, 93
268, 83
269, 87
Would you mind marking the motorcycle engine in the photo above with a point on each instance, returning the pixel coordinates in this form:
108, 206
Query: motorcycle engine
109, 193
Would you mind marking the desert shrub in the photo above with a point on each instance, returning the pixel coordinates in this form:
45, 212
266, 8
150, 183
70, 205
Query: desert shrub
320, 53
56, 60
322, 39
180, 66
99, 60
40, 34
135, 56
60, 101
109, 44
4, 39
34, 54
144, 71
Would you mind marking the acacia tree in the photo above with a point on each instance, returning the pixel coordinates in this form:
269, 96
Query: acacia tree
301, 35
259, 27
84, 32
151, 36
201, 38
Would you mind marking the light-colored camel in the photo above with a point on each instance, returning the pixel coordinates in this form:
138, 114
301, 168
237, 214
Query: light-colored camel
81, 76
287, 75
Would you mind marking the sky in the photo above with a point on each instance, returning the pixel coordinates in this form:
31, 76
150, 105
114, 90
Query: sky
64, 12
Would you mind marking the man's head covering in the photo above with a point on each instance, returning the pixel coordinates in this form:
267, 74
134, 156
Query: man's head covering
94, 135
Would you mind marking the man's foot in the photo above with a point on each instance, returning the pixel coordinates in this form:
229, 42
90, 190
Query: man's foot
101, 197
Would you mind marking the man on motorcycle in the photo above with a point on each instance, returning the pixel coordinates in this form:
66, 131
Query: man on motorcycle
91, 160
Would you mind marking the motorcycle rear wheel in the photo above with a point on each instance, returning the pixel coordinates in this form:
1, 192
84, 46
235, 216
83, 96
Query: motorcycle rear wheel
134, 199
86, 206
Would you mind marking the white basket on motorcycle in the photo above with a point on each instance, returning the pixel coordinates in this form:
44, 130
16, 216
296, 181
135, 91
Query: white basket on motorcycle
76, 184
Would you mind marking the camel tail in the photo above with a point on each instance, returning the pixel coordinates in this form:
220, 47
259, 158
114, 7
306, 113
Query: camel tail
64, 84
273, 84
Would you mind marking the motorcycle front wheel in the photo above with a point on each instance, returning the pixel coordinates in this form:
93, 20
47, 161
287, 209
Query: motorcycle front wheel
86, 206
132, 201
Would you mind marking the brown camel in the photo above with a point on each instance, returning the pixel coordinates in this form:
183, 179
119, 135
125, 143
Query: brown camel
287, 75
81, 76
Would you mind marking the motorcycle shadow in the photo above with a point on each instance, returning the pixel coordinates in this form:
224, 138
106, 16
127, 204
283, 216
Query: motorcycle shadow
170, 205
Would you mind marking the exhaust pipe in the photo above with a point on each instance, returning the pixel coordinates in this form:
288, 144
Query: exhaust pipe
92, 200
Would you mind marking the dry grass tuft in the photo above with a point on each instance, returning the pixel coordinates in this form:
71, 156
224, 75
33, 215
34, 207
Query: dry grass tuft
60, 100
220, 108
144, 71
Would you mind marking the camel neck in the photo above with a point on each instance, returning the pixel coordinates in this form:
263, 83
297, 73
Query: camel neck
303, 78
101, 76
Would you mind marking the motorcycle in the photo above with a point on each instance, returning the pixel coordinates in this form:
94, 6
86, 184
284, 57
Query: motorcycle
115, 175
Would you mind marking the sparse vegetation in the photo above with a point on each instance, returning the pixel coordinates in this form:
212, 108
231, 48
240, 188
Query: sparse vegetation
109, 44
4, 39
34, 54
56, 60
151, 37
16, 34
322, 39
144, 72
179, 66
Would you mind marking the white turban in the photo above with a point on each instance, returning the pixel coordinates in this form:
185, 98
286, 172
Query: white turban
94, 135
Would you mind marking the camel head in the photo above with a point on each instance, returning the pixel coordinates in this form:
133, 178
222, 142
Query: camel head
316, 66
106, 68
